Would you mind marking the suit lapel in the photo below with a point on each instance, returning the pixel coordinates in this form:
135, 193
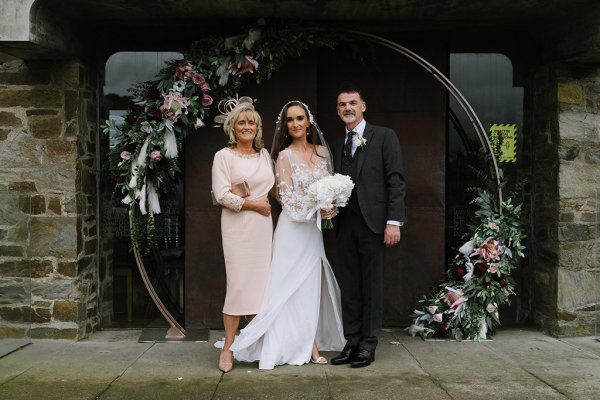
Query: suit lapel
361, 153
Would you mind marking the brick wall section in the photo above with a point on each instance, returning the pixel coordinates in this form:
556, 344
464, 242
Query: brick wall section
578, 297
48, 228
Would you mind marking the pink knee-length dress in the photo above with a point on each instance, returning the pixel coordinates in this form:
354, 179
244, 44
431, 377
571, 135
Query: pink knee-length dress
247, 235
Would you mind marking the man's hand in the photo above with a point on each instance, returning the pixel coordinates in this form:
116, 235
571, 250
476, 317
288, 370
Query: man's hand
391, 235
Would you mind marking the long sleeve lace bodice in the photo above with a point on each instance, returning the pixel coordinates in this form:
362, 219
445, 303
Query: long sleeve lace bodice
294, 176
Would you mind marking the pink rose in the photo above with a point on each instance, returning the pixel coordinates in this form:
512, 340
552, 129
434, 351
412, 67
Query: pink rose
198, 79
437, 317
125, 155
493, 269
205, 87
156, 156
432, 309
494, 226
207, 100
490, 308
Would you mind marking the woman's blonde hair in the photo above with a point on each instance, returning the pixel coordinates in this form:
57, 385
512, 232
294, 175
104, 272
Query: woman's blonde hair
232, 117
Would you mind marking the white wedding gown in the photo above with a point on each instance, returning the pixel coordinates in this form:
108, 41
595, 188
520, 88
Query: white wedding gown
302, 301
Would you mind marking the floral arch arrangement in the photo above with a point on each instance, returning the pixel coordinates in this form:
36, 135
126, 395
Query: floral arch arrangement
184, 97
188, 93
479, 279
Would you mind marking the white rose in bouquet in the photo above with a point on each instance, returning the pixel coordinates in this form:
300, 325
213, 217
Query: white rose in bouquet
326, 193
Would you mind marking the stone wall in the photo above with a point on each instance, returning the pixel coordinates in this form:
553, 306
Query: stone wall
48, 232
541, 130
564, 115
578, 297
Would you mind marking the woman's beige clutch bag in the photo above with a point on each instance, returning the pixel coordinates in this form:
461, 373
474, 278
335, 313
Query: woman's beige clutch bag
239, 189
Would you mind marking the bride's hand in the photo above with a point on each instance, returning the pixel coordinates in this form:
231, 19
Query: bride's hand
328, 214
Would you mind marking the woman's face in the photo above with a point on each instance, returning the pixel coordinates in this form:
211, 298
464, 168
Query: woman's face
245, 128
297, 122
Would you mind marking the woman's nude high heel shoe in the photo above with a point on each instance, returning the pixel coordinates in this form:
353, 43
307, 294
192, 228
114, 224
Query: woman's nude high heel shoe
224, 366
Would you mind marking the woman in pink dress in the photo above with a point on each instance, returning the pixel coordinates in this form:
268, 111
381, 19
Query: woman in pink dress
242, 176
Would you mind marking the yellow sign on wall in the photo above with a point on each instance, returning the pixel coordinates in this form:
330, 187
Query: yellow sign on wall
503, 138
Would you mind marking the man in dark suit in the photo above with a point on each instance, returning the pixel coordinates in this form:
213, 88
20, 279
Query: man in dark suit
371, 221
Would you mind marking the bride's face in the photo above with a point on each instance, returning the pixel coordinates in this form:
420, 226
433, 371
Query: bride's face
297, 122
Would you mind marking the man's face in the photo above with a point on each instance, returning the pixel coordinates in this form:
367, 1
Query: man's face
350, 108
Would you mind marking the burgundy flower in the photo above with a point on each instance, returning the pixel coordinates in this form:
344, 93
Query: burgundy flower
503, 282
443, 328
136, 109
155, 113
130, 119
460, 271
480, 268
154, 93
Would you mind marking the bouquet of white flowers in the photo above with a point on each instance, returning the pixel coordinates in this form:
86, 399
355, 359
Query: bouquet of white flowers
326, 193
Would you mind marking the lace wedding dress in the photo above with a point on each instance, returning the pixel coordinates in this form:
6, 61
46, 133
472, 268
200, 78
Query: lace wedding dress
302, 302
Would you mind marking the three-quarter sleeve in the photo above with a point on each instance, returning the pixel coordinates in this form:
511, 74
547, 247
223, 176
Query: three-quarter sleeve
292, 201
221, 184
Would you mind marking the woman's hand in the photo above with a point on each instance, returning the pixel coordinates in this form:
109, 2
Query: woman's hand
328, 214
261, 206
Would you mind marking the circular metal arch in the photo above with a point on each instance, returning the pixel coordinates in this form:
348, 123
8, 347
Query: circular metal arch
479, 130
177, 331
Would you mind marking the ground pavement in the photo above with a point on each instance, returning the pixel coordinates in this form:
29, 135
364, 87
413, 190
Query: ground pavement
517, 364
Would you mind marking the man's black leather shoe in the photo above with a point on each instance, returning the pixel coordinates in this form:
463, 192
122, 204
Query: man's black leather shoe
345, 356
362, 358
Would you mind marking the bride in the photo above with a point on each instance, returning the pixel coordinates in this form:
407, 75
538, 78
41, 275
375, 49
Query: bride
301, 312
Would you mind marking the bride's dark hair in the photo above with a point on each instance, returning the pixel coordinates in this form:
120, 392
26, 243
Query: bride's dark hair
282, 139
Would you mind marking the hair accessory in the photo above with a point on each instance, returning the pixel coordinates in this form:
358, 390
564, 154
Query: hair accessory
226, 106
311, 119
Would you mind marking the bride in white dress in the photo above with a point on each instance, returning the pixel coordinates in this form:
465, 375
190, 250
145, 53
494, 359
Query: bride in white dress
301, 312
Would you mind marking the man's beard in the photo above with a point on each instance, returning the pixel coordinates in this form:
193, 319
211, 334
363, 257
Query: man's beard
349, 118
